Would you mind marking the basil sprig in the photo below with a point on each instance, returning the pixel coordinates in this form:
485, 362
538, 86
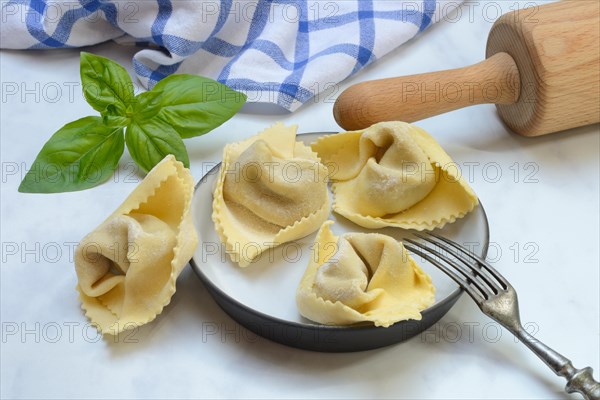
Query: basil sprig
85, 153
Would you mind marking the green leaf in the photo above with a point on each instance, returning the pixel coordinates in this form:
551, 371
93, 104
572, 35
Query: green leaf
107, 86
147, 105
115, 120
194, 105
80, 155
150, 141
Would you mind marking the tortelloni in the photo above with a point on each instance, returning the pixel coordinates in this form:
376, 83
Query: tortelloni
360, 277
271, 190
127, 267
394, 174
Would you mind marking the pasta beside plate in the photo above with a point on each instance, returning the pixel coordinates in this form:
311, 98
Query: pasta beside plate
127, 267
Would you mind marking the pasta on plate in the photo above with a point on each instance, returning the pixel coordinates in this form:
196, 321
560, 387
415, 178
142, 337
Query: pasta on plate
360, 277
271, 190
394, 174
127, 267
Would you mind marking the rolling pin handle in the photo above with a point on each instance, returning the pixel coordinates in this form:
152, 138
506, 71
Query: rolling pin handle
415, 97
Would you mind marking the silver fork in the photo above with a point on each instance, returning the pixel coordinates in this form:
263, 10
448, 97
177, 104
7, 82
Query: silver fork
498, 300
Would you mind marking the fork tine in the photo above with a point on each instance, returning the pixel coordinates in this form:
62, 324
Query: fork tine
469, 275
478, 272
475, 294
491, 270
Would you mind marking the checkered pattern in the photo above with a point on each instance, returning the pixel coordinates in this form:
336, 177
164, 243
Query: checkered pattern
282, 52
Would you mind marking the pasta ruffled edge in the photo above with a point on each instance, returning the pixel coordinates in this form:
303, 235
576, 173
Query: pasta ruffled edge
315, 308
301, 228
186, 239
438, 158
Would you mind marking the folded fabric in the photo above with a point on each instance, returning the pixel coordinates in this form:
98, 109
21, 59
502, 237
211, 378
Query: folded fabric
282, 52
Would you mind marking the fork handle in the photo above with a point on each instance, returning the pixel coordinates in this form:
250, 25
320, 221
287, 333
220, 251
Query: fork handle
578, 380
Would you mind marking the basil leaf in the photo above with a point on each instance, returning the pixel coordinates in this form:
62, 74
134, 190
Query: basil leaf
115, 121
80, 155
194, 105
150, 141
107, 86
147, 105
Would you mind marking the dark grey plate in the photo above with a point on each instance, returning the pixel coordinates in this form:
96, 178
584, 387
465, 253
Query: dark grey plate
261, 297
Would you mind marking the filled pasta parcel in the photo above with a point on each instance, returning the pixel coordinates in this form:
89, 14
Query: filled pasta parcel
272, 189
360, 277
394, 174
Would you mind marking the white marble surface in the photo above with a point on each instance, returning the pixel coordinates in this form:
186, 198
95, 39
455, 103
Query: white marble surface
544, 234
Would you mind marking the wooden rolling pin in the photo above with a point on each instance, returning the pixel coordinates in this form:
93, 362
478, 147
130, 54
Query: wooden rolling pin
542, 70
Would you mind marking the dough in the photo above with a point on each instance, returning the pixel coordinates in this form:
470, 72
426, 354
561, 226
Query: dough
271, 190
127, 267
361, 277
394, 174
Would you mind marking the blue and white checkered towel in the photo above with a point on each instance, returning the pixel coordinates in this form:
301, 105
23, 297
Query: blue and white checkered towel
281, 52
